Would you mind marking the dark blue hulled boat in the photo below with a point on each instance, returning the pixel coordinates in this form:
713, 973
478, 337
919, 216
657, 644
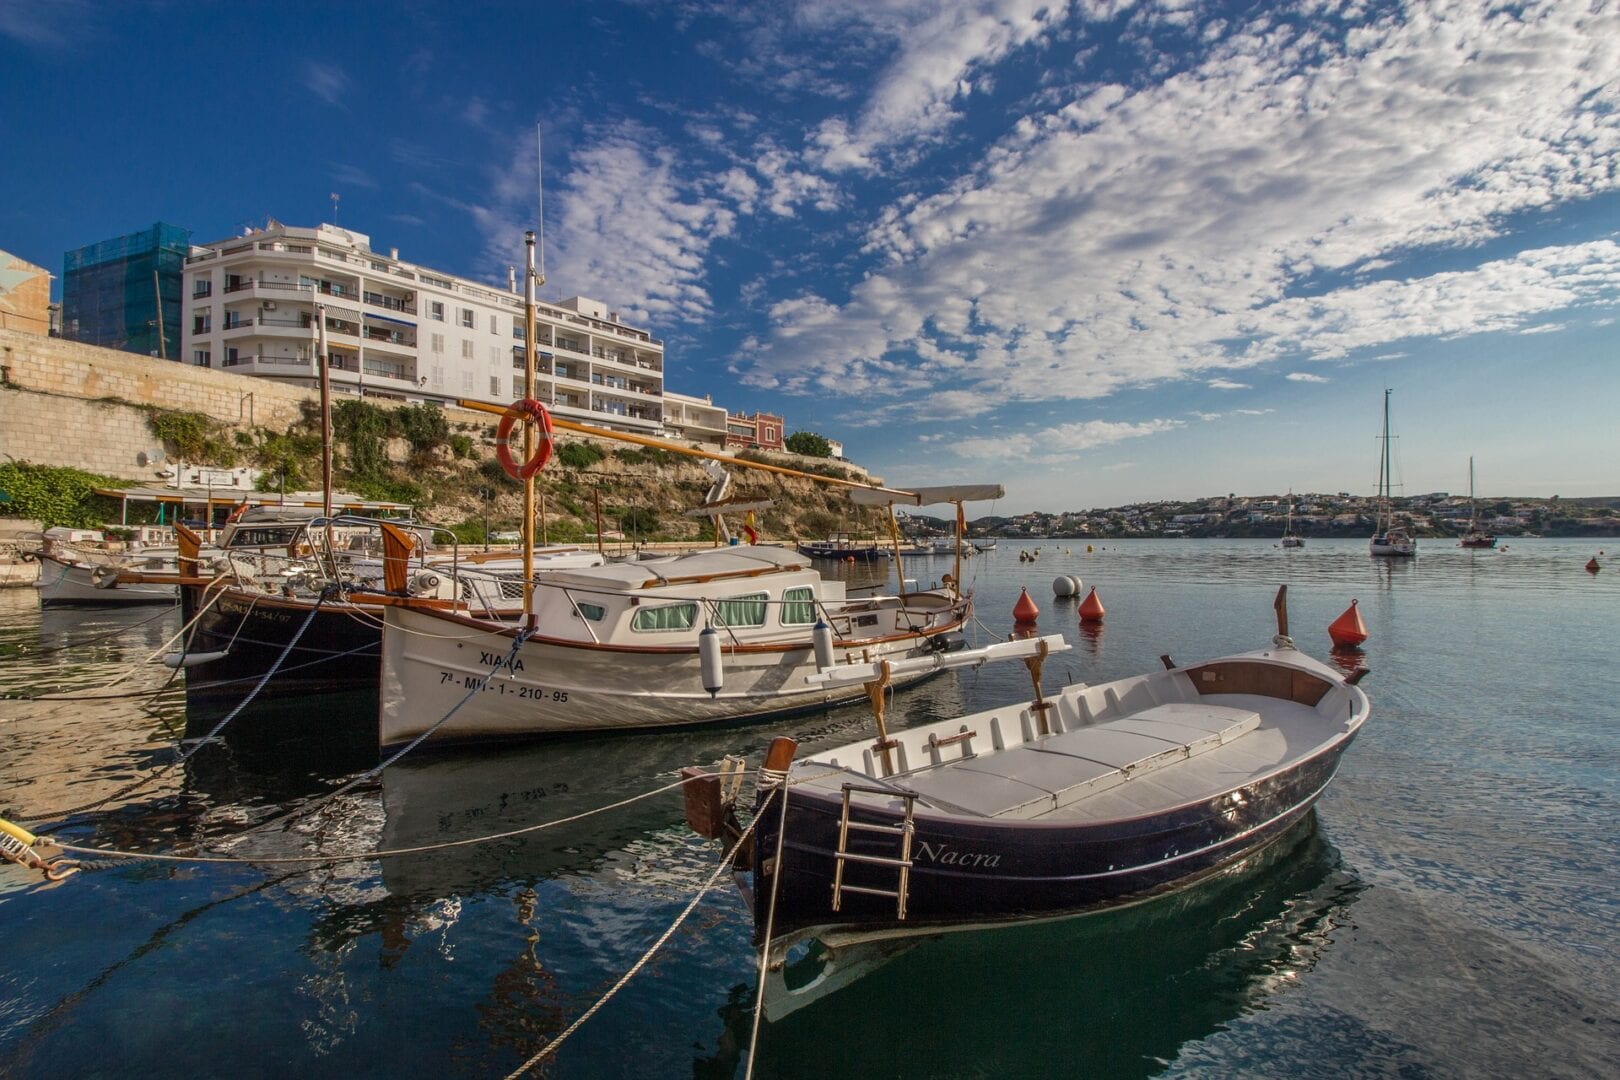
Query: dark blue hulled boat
842, 547
1091, 797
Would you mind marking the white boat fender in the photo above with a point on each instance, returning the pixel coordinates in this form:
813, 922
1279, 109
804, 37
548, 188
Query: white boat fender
822, 636
186, 660
1065, 585
709, 659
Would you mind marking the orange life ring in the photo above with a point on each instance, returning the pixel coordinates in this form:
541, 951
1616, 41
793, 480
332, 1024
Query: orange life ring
529, 411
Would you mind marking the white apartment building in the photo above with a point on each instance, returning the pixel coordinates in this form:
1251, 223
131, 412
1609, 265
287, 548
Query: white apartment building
696, 419
398, 330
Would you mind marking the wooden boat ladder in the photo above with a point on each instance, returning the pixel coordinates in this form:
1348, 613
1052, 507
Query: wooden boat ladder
905, 830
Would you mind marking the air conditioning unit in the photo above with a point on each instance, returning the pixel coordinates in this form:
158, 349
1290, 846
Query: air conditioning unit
269, 305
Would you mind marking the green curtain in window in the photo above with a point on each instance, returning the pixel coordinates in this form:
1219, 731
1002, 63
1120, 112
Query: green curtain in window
669, 617
798, 607
741, 611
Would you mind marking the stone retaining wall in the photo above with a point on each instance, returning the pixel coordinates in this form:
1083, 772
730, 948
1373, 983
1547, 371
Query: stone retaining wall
66, 403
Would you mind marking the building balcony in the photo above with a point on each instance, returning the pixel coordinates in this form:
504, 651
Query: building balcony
264, 364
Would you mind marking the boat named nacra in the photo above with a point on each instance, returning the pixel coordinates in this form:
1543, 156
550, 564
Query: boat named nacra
1092, 797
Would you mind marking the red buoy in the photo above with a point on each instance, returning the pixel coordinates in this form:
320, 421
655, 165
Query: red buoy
1091, 609
1592, 566
1348, 631
1025, 610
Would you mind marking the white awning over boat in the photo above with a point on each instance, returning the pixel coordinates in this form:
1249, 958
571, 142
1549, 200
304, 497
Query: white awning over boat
927, 496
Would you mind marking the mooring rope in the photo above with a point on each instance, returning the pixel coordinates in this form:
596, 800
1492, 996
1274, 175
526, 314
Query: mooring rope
770, 927
53, 815
647, 956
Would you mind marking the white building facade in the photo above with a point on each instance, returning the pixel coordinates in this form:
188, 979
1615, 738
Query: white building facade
696, 419
407, 332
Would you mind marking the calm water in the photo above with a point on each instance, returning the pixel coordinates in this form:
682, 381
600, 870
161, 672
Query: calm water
1451, 913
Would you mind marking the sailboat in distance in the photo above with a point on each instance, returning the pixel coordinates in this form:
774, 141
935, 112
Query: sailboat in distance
1289, 540
1475, 537
1387, 540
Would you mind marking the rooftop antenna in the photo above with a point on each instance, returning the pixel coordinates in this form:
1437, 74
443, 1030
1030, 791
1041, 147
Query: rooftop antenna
540, 201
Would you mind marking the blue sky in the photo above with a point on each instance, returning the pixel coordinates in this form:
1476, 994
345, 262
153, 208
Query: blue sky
1101, 252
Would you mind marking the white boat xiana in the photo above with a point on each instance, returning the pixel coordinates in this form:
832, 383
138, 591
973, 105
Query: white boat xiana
709, 636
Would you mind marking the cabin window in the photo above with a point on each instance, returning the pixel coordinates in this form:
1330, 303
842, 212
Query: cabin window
667, 617
798, 607
741, 611
593, 612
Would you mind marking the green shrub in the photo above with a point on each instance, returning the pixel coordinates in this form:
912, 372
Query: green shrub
423, 426
462, 446
579, 455
55, 495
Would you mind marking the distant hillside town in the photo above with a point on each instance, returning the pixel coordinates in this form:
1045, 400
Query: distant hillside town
1439, 514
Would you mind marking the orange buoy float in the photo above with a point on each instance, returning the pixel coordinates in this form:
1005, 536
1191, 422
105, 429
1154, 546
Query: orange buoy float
1348, 631
1025, 610
1592, 566
529, 411
1091, 608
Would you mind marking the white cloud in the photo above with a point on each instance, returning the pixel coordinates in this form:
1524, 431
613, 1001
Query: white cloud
1305, 376
1133, 234
326, 81
1055, 445
1226, 384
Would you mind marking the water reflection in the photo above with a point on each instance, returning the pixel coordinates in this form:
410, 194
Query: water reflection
1115, 994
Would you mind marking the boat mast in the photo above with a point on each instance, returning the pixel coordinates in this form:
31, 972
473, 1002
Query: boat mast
1386, 520
529, 350
326, 411
1473, 512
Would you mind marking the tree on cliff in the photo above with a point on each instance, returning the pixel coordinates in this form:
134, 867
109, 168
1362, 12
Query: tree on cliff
809, 444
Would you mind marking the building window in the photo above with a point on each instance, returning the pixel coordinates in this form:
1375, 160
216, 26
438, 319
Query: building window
494, 324
438, 375
438, 343
466, 350
466, 317
466, 381
201, 358
436, 310
495, 355
494, 386
202, 324
231, 357
203, 287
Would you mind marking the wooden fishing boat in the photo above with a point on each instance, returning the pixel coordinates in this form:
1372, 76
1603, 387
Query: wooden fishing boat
77, 568
306, 592
725, 634
841, 547
1091, 797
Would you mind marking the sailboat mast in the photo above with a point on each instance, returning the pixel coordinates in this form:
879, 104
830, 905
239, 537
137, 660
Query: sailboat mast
326, 410
1385, 518
529, 352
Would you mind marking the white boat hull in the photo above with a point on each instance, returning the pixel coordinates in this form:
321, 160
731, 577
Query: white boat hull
430, 663
62, 583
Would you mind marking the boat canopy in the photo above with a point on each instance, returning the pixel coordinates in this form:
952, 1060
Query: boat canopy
633, 576
926, 496
224, 496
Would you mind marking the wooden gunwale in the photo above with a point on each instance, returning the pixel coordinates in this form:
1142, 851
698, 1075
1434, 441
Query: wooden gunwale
752, 649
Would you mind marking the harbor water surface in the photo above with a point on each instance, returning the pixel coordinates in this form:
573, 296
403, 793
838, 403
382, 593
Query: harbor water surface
1449, 911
